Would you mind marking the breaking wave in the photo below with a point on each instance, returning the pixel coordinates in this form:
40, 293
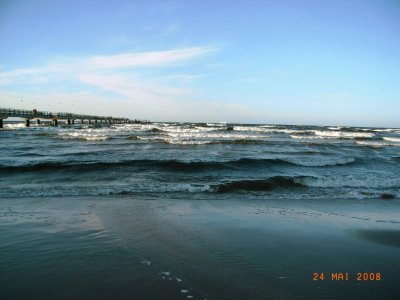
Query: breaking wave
176, 164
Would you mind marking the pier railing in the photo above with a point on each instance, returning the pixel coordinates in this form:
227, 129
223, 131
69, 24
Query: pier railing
31, 114
70, 117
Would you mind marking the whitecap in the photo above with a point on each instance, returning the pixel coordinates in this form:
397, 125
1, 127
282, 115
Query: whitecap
320, 161
376, 144
340, 134
349, 181
83, 136
392, 139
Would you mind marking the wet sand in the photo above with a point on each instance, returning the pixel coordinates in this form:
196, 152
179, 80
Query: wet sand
171, 248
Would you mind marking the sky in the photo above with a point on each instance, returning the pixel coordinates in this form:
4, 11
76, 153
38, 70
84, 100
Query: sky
312, 62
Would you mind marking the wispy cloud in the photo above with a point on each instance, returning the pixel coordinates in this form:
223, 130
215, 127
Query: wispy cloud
147, 59
185, 77
118, 84
75, 67
132, 87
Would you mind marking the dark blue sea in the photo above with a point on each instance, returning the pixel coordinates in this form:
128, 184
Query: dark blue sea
200, 160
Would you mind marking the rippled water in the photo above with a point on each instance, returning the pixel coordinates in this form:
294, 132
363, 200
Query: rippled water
203, 159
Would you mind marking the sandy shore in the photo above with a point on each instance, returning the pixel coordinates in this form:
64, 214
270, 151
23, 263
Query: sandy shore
129, 248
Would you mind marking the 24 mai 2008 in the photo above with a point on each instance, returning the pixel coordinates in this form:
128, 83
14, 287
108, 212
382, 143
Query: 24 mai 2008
345, 276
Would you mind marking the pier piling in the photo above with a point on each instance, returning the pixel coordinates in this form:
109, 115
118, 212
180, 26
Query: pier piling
28, 115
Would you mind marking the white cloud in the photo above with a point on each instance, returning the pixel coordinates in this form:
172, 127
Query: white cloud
132, 87
120, 93
147, 59
184, 77
74, 67
108, 62
31, 75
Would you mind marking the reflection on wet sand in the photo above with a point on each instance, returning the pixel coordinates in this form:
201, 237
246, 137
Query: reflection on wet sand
389, 237
120, 247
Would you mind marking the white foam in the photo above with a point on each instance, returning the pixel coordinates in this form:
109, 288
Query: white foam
186, 187
340, 134
392, 139
386, 130
83, 136
264, 129
214, 135
349, 181
376, 144
202, 138
189, 142
335, 128
301, 137
320, 161
14, 126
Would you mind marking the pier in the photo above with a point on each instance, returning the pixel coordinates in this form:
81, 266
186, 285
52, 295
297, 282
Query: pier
70, 118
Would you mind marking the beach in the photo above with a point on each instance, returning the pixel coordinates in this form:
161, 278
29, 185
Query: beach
174, 248
210, 150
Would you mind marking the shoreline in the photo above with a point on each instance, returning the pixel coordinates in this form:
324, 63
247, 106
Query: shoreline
207, 249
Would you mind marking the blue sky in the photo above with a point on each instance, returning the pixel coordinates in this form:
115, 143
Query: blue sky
289, 62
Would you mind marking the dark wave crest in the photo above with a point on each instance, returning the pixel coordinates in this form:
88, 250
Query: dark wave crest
174, 165
259, 185
167, 164
240, 142
155, 130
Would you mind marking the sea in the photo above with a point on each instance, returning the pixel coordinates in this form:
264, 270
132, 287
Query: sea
200, 160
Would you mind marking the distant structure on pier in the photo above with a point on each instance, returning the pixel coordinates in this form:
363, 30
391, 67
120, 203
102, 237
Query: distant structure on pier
70, 118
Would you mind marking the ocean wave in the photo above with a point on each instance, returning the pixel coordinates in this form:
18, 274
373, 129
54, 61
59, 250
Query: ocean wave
343, 135
320, 162
177, 141
15, 126
185, 142
335, 128
376, 144
257, 185
346, 186
386, 130
133, 137
195, 130
202, 138
178, 165
83, 136
305, 137
264, 129
392, 139
221, 124
167, 164
43, 134
349, 181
